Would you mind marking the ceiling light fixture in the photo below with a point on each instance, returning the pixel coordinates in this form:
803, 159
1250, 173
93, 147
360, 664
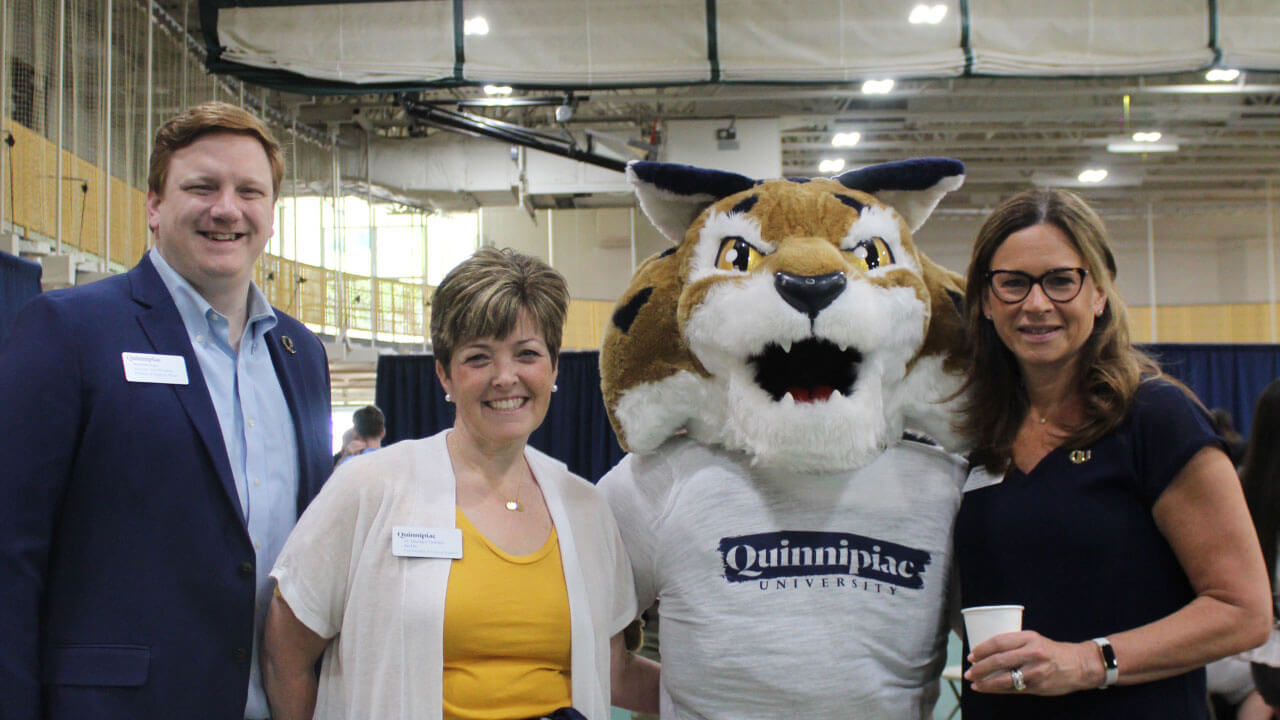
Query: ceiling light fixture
1092, 175
475, 26
927, 14
1148, 141
846, 139
1222, 75
831, 165
877, 87
497, 89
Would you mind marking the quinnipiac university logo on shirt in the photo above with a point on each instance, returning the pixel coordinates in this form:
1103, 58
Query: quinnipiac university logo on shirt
796, 558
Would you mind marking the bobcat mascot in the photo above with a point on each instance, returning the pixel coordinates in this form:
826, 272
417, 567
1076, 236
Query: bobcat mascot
783, 380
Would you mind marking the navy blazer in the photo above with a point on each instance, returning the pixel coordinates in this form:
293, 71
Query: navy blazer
126, 570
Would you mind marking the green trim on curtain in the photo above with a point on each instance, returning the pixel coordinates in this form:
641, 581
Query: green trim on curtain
1213, 32
713, 42
964, 37
459, 51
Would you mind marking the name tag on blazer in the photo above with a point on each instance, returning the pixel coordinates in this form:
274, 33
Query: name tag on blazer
425, 542
152, 368
979, 478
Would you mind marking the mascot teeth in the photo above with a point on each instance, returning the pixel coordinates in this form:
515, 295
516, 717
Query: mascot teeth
810, 370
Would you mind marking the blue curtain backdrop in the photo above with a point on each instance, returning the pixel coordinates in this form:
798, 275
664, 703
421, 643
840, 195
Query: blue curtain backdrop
19, 282
576, 431
1223, 376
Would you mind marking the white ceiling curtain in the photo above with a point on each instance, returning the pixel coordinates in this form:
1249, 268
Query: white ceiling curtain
600, 43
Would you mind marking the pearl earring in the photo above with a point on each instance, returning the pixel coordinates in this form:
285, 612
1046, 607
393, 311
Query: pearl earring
554, 387
448, 397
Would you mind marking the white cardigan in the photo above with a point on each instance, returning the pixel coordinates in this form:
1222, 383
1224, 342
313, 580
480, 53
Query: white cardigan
385, 614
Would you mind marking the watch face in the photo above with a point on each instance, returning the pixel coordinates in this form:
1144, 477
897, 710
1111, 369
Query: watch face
1111, 668
1108, 656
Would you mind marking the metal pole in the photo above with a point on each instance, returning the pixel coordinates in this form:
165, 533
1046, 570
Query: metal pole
1151, 267
106, 141
151, 49
57, 173
1271, 265
426, 308
4, 114
293, 175
185, 54
373, 239
340, 294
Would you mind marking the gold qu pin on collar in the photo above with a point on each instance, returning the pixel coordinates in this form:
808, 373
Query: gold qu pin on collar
1080, 456
287, 342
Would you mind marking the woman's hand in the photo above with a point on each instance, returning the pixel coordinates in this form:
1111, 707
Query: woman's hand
1253, 707
1047, 667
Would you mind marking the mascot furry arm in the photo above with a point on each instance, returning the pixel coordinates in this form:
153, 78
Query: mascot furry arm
762, 373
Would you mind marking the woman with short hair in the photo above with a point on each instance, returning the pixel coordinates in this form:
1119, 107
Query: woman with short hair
463, 575
1100, 498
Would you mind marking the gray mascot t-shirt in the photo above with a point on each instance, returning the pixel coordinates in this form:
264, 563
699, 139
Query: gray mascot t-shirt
790, 595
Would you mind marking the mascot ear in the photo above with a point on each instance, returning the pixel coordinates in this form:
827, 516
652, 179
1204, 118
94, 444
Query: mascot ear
912, 187
672, 195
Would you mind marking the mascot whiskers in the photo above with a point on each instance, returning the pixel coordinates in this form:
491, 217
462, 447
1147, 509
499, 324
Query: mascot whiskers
784, 379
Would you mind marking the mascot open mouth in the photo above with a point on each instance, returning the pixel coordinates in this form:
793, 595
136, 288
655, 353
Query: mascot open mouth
810, 371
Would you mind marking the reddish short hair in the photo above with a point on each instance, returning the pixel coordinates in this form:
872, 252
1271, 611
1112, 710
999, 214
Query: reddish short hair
188, 126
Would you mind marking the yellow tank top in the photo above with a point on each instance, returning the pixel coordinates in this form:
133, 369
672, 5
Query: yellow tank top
506, 631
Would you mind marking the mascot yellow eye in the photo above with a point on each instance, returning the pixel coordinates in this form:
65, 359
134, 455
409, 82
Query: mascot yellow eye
738, 254
873, 253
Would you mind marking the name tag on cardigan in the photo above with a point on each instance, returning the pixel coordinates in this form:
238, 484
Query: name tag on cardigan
423, 542
152, 368
980, 478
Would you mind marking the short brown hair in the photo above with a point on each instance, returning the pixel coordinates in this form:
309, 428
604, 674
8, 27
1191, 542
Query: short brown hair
193, 123
484, 295
1111, 368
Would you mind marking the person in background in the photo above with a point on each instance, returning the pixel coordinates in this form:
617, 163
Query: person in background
369, 427
464, 575
351, 445
1101, 498
161, 430
1226, 427
1260, 475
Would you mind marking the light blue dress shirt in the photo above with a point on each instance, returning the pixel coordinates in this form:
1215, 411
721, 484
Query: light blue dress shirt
256, 428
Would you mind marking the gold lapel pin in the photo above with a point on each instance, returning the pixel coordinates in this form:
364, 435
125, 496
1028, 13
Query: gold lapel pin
1080, 456
288, 344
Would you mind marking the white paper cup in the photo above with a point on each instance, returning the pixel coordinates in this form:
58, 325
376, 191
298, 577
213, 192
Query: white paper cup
984, 622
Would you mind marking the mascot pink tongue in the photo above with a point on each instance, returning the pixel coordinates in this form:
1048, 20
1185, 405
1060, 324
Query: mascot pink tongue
818, 394
784, 379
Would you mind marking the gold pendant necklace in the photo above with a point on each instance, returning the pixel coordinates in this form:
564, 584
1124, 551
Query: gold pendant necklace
514, 505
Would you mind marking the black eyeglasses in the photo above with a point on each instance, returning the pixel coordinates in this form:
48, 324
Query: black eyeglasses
1059, 284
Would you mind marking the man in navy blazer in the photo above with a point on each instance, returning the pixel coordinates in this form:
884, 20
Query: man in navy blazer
160, 433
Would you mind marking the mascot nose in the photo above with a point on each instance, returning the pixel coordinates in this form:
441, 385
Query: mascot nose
809, 293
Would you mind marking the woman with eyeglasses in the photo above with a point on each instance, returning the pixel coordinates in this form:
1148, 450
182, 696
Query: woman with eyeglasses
1100, 497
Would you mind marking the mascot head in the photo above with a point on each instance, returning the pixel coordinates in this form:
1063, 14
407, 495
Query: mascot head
794, 321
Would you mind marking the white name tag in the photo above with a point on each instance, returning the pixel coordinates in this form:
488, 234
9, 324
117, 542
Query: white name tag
426, 542
980, 478
151, 368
